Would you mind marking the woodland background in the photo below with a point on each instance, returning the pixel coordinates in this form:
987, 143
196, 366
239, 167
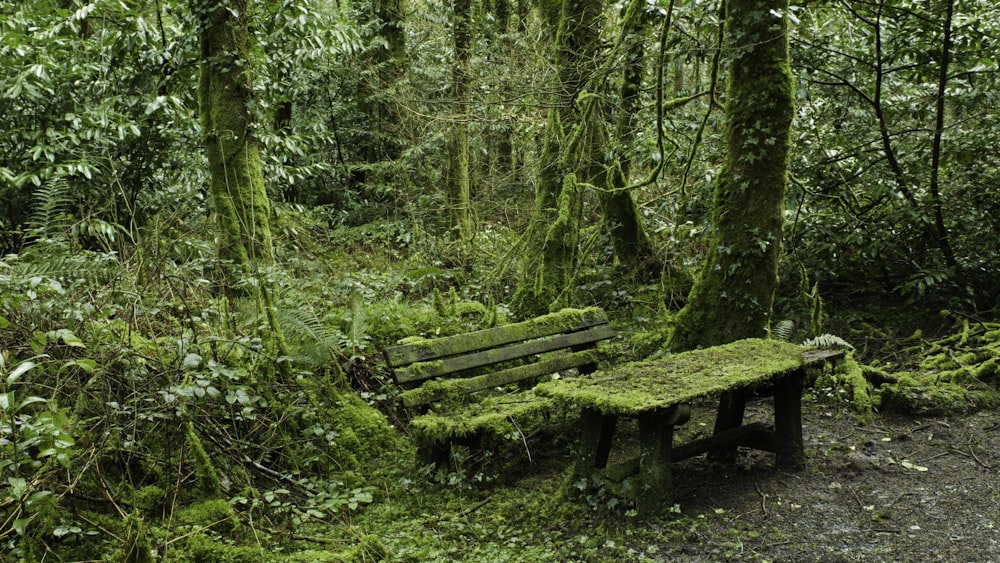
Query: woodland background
155, 401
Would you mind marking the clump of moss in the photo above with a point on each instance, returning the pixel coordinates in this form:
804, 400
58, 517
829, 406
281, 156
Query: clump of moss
365, 436
216, 514
368, 549
848, 382
958, 373
925, 396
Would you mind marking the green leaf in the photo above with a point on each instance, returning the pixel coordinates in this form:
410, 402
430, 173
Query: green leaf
20, 370
86, 365
192, 361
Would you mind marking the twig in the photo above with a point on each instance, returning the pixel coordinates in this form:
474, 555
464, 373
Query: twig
521, 434
979, 461
475, 507
933, 457
763, 498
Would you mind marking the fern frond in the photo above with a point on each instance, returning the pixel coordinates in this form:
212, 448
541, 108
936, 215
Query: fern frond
316, 343
829, 341
359, 322
51, 207
49, 259
783, 330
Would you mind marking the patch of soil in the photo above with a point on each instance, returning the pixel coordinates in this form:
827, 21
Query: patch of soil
896, 489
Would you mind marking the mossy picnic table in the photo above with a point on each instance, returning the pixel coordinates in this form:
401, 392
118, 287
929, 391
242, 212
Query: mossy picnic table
658, 394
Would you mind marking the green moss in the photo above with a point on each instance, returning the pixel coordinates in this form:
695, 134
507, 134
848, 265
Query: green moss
216, 514
199, 548
440, 390
209, 485
149, 498
645, 386
927, 397
366, 440
850, 380
369, 549
497, 416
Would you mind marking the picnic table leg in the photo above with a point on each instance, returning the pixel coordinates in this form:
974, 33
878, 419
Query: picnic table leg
788, 422
598, 431
656, 439
732, 405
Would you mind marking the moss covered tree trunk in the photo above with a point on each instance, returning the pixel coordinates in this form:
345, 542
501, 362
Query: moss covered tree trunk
733, 296
237, 181
392, 62
226, 91
550, 252
631, 245
457, 144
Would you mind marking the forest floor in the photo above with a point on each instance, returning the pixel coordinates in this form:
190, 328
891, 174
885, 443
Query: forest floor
894, 489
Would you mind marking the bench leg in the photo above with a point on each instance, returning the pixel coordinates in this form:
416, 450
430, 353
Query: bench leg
732, 405
595, 447
656, 438
788, 422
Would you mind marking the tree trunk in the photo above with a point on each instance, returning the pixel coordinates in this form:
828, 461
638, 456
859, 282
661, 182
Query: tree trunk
576, 43
392, 63
237, 180
631, 245
732, 298
457, 144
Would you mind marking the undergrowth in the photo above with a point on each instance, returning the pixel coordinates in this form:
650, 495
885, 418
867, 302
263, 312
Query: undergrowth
139, 422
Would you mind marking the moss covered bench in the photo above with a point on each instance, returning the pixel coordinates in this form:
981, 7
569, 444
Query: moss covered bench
659, 393
470, 385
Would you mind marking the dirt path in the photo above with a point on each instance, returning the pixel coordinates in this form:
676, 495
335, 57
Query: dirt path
894, 490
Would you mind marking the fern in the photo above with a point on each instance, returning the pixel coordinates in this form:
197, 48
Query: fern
828, 341
316, 343
783, 330
50, 210
359, 322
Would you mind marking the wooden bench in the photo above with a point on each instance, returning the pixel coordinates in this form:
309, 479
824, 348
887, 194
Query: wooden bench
659, 393
482, 382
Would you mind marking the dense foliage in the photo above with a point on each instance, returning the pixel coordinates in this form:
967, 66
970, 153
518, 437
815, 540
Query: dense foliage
133, 418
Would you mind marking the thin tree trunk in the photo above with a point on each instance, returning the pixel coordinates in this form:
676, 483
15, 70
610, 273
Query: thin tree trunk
631, 245
732, 298
457, 144
941, 231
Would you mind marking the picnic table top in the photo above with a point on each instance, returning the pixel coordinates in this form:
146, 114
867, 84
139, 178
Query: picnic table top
640, 387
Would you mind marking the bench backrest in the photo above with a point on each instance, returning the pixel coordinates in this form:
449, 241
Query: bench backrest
460, 364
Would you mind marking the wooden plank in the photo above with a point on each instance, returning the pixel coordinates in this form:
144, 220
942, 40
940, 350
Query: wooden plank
567, 320
820, 355
420, 371
436, 390
747, 435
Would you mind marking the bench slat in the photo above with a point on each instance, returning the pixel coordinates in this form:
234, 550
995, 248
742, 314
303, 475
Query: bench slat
567, 320
436, 390
420, 371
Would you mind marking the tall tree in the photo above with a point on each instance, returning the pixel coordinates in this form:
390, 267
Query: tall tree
237, 181
457, 144
733, 296
550, 252
631, 245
